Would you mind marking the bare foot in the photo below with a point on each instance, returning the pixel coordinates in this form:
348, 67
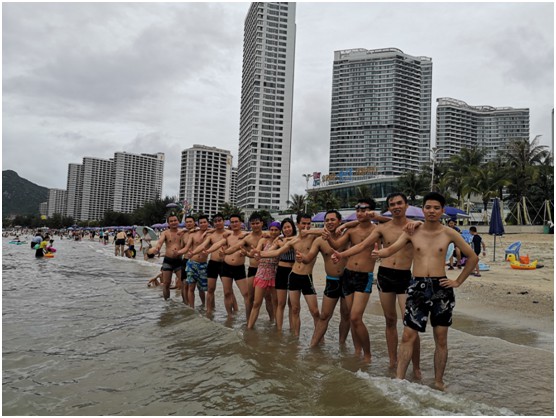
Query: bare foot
440, 386
367, 358
417, 374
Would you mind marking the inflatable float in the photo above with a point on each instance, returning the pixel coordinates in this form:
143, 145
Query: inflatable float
49, 255
522, 264
17, 242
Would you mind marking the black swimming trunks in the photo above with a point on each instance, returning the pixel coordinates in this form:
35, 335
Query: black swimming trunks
282, 274
357, 281
301, 282
333, 287
424, 296
214, 269
251, 271
171, 264
393, 280
234, 272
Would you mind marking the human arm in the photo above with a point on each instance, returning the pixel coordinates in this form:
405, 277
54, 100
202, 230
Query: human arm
188, 245
216, 246
305, 232
376, 216
335, 242
309, 256
394, 248
367, 243
161, 241
472, 260
347, 225
285, 247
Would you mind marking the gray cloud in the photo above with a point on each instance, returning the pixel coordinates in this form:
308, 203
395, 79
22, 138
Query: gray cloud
95, 78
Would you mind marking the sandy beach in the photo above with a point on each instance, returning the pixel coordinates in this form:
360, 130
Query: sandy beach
514, 297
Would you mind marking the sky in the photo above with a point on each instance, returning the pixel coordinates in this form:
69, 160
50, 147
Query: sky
92, 79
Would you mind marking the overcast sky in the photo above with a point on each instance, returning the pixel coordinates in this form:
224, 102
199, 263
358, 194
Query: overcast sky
91, 79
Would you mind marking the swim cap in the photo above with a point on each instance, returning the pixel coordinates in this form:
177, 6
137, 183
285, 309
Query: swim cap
276, 224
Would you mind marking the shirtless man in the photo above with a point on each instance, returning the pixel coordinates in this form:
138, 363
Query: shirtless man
214, 268
430, 291
357, 279
394, 274
333, 289
182, 284
233, 268
301, 277
172, 260
197, 265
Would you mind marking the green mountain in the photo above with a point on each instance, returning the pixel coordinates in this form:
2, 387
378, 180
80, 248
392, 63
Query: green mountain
20, 196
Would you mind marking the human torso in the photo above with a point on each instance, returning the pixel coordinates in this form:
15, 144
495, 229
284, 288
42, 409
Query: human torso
214, 238
303, 246
197, 239
361, 262
251, 242
331, 268
429, 251
173, 243
402, 260
236, 258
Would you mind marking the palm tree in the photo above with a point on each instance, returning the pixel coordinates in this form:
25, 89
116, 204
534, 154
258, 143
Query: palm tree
297, 203
323, 200
486, 181
525, 159
412, 184
460, 167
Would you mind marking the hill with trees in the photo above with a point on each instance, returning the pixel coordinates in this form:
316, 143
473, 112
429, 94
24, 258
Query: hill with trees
20, 196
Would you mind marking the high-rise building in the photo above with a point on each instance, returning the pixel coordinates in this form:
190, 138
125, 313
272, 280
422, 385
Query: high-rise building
137, 180
98, 188
266, 106
74, 190
205, 178
233, 187
56, 202
43, 208
459, 125
381, 113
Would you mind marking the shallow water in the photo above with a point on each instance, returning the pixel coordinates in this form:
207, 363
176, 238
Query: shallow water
83, 335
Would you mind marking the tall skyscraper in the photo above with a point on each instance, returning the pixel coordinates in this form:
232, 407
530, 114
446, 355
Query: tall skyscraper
266, 106
74, 191
98, 188
459, 125
233, 187
205, 178
381, 113
137, 179
57, 199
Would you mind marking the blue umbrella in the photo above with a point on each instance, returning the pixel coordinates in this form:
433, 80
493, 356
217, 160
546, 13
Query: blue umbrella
453, 212
495, 226
319, 217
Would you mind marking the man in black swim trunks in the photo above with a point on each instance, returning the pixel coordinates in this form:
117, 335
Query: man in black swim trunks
430, 291
394, 274
172, 260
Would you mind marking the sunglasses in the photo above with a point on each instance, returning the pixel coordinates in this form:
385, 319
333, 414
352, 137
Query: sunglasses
360, 207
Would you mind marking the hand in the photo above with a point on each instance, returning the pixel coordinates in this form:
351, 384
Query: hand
449, 283
411, 227
340, 229
257, 255
376, 254
336, 257
371, 214
325, 234
303, 233
298, 257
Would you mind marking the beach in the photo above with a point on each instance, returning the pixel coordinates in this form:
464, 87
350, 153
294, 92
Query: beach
523, 297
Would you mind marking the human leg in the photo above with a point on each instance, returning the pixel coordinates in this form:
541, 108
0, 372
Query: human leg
327, 309
258, 297
360, 300
294, 297
210, 294
416, 356
166, 280
440, 355
388, 303
344, 321
281, 297
228, 294
243, 288
405, 351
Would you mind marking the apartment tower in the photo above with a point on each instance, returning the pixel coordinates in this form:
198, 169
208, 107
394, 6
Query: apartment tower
74, 190
57, 199
459, 125
137, 180
205, 178
266, 107
381, 113
98, 188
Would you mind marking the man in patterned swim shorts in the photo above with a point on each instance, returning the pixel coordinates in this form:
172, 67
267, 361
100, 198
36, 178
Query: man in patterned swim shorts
430, 292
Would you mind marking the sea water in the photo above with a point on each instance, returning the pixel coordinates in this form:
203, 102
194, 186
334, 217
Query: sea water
83, 335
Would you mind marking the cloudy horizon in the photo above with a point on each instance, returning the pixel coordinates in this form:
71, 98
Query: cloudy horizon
92, 79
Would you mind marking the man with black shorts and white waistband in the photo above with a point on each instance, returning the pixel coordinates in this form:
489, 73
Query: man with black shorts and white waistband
430, 291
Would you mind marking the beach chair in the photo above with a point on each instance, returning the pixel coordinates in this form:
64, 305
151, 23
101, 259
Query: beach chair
513, 249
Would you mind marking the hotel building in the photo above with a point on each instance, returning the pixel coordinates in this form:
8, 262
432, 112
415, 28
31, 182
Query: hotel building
137, 179
381, 113
459, 125
205, 178
56, 202
98, 188
263, 179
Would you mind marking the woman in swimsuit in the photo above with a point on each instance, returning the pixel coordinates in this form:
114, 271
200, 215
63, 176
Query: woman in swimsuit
266, 274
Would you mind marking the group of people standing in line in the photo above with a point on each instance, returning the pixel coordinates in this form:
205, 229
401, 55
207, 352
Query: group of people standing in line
411, 274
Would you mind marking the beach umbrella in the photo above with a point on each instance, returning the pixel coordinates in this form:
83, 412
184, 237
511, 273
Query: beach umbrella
319, 217
411, 212
351, 217
495, 226
150, 232
455, 212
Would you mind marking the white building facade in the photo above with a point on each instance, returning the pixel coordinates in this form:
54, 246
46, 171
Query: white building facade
266, 106
381, 113
74, 190
98, 188
56, 202
205, 178
137, 180
459, 125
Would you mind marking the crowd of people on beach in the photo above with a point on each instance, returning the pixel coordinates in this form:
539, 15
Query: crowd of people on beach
411, 275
